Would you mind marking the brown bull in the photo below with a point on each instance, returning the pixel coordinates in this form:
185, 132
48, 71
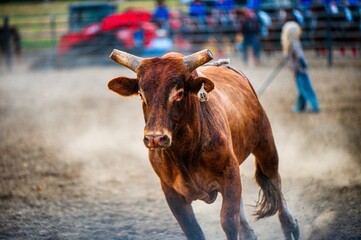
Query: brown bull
196, 146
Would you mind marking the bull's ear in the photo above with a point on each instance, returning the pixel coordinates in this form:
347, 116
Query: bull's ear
201, 86
124, 86
195, 84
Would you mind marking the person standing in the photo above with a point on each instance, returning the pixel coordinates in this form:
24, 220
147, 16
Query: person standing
9, 42
250, 29
198, 11
292, 49
161, 14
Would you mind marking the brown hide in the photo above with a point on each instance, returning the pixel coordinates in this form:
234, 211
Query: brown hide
205, 136
196, 147
209, 134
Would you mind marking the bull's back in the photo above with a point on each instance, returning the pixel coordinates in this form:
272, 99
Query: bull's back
244, 113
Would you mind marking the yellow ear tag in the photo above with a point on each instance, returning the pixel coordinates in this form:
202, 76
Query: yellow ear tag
202, 94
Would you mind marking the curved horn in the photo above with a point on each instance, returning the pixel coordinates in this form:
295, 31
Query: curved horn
126, 59
197, 59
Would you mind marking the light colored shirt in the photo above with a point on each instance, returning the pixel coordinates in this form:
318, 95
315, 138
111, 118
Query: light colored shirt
297, 60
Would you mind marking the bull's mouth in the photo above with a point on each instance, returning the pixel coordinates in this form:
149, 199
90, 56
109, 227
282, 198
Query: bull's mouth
152, 141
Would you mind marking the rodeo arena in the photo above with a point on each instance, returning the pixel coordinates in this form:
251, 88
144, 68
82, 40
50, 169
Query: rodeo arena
180, 119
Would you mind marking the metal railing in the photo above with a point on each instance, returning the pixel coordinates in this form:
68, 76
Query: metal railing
330, 32
39, 31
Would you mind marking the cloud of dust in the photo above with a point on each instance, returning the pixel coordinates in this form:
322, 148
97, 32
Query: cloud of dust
104, 133
106, 149
78, 116
304, 157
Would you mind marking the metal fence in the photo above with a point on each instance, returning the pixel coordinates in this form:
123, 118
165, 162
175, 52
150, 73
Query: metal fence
39, 31
323, 31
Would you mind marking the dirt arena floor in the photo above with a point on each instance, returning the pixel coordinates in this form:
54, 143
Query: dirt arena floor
73, 165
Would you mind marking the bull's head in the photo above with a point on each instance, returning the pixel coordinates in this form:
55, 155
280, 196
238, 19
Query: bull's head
166, 86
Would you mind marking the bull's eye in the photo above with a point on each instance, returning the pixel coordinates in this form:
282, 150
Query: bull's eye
179, 95
141, 96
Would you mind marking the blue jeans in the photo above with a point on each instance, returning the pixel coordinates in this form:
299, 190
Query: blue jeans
253, 41
306, 94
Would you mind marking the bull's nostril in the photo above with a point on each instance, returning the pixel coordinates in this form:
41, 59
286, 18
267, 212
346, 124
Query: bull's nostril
164, 140
146, 140
156, 141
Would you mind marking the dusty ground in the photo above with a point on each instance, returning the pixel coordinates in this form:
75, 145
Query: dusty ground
72, 163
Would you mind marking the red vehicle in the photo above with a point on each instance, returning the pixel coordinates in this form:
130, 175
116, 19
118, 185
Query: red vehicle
96, 28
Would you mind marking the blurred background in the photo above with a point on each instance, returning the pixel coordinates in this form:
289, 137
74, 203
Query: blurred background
59, 30
72, 161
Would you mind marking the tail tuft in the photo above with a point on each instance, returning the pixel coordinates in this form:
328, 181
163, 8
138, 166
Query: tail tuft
269, 198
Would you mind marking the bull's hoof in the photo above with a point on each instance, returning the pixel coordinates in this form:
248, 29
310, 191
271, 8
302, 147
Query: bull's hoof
247, 235
292, 232
296, 231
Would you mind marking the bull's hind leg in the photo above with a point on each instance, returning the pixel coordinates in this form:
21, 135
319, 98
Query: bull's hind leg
289, 224
271, 200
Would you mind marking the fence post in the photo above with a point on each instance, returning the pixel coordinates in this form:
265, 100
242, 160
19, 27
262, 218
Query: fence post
52, 39
329, 39
53, 31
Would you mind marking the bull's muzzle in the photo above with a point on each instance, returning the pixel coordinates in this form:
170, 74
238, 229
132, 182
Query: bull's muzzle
157, 141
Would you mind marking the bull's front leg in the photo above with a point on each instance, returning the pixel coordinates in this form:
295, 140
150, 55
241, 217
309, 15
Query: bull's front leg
231, 193
184, 214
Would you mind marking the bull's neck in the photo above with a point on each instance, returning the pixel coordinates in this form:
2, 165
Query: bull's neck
185, 151
188, 135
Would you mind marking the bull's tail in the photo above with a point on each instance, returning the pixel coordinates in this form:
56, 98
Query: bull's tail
270, 196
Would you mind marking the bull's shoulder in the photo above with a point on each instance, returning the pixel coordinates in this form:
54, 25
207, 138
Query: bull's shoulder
233, 90
229, 81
